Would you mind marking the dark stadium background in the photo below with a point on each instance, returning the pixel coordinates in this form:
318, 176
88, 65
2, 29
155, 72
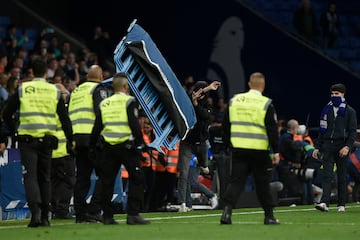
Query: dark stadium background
298, 79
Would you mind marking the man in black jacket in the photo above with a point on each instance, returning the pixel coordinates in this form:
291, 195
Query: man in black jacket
337, 134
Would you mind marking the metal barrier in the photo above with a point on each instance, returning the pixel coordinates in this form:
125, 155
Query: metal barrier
155, 86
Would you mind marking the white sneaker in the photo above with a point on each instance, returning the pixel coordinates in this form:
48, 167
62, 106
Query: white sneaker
322, 207
204, 170
183, 208
341, 208
214, 202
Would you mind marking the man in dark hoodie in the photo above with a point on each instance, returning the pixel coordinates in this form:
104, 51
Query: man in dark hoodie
195, 142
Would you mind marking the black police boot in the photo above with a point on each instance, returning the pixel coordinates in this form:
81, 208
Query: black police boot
83, 218
35, 217
271, 221
226, 215
97, 217
45, 222
134, 220
269, 217
110, 221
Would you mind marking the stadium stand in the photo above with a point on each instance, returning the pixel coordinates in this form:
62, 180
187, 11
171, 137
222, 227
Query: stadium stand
280, 13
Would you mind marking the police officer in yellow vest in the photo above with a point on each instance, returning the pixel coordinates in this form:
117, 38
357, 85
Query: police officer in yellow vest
117, 124
83, 106
39, 104
250, 127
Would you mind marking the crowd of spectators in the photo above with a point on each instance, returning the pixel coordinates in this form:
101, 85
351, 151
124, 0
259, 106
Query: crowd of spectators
66, 64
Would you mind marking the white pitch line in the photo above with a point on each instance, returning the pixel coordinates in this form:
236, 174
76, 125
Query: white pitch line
175, 216
244, 213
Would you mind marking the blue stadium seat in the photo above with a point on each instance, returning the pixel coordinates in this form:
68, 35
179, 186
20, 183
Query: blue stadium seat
19, 32
32, 33
4, 21
280, 5
2, 32
347, 30
257, 4
342, 42
354, 43
29, 45
352, 20
355, 65
334, 53
348, 54
317, 7
286, 18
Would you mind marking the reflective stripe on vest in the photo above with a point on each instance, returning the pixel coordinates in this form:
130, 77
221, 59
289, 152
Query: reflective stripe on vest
146, 162
61, 151
247, 117
155, 164
115, 119
81, 108
150, 158
38, 105
172, 159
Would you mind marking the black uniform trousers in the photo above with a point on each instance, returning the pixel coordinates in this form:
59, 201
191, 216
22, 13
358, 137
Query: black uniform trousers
85, 165
62, 184
222, 164
36, 162
112, 158
245, 162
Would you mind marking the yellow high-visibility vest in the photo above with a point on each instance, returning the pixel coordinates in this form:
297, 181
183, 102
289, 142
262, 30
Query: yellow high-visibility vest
115, 119
61, 150
38, 104
81, 108
247, 117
